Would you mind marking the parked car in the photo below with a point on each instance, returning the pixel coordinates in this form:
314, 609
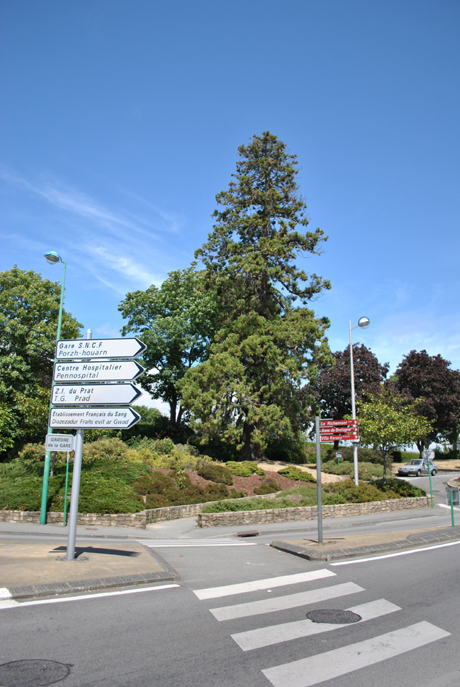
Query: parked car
417, 467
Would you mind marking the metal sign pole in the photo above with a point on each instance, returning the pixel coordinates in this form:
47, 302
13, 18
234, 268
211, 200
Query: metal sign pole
66, 487
76, 477
318, 482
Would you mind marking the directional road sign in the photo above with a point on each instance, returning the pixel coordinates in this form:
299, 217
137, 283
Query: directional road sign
338, 430
75, 349
339, 437
337, 423
98, 371
60, 442
95, 394
111, 417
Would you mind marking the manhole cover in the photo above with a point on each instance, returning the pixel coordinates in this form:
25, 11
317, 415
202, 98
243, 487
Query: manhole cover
330, 615
32, 673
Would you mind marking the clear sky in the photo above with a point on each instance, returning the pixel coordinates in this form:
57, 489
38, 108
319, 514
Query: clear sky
120, 121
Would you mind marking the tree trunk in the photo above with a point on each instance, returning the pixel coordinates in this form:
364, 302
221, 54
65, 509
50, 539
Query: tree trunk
336, 445
250, 451
385, 454
172, 410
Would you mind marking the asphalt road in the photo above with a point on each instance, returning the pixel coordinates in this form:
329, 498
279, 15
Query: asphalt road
181, 636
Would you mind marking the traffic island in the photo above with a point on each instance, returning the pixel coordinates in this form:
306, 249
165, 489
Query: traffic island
33, 570
359, 545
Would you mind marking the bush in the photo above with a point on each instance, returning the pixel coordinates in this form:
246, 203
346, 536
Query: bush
216, 473
104, 449
125, 470
33, 453
244, 469
287, 450
398, 488
25, 492
102, 495
179, 459
268, 486
366, 455
366, 471
175, 489
291, 472
354, 494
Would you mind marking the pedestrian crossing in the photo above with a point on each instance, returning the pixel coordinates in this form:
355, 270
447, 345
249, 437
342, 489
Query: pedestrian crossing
187, 543
307, 671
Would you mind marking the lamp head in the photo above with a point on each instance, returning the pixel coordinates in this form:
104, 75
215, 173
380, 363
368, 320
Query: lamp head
52, 258
363, 322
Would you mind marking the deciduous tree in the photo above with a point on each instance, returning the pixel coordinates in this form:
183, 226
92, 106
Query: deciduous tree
332, 388
176, 322
387, 421
267, 345
430, 378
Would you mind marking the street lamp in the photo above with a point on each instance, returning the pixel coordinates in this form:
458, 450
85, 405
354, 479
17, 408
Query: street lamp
52, 258
363, 322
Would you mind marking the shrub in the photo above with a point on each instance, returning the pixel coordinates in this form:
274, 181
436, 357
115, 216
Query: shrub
24, 493
125, 470
244, 469
33, 453
355, 494
399, 488
175, 489
268, 487
366, 455
179, 459
104, 449
216, 473
102, 495
366, 471
287, 450
291, 472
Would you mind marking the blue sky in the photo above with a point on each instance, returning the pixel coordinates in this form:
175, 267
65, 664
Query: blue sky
121, 120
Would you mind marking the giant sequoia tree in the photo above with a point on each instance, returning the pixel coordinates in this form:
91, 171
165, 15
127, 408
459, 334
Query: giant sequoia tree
268, 343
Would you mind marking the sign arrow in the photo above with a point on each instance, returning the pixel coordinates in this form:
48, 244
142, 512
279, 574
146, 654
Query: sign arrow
97, 371
339, 437
110, 417
338, 423
96, 394
76, 349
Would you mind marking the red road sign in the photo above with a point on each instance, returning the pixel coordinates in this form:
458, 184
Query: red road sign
337, 430
339, 437
338, 423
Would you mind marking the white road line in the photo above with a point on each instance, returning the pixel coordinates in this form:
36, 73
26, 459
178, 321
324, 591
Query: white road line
281, 603
5, 593
331, 664
399, 553
444, 505
268, 583
266, 636
185, 543
11, 603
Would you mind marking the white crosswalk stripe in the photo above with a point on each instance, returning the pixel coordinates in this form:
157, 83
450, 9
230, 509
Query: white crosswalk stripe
186, 543
266, 636
316, 669
268, 583
306, 672
281, 603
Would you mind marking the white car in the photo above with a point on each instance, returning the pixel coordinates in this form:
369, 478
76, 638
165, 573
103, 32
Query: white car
417, 467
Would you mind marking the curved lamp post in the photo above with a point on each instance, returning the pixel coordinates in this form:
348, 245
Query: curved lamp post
363, 322
52, 258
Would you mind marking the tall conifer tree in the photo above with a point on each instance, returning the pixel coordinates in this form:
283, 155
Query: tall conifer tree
268, 344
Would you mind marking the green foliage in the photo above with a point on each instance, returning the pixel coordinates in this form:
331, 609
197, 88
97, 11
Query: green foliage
387, 421
288, 450
104, 449
350, 493
366, 471
101, 494
268, 486
175, 489
176, 322
216, 473
291, 472
23, 492
29, 309
244, 469
398, 488
366, 455
248, 391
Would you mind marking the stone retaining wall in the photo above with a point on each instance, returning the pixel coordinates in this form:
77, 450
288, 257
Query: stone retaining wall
107, 520
260, 517
254, 517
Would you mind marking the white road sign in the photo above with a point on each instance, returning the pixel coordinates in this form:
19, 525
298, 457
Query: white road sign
93, 418
70, 349
60, 442
95, 394
98, 371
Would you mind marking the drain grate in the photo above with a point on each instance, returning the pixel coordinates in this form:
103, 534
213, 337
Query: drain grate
333, 616
32, 673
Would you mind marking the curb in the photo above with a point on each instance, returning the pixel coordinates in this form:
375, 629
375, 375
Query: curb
414, 541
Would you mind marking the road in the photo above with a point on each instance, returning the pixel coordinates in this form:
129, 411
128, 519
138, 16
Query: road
238, 618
